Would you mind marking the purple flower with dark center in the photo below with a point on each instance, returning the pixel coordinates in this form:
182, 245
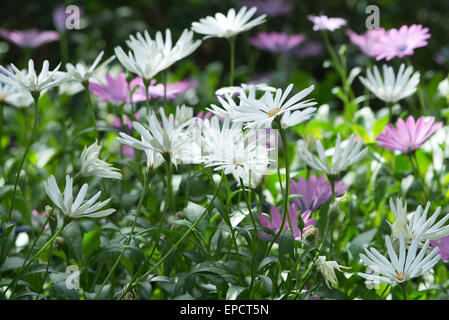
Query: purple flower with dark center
325, 23
409, 135
278, 42
276, 223
400, 43
272, 8
32, 38
443, 245
314, 192
367, 41
174, 89
117, 90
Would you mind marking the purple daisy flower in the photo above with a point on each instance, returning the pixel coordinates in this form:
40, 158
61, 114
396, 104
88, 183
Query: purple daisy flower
402, 42
271, 8
174, 89
325, 23
276, 222
32, 38
366, 42
278, 42
443, 245
314, 192
117, 90
409, 135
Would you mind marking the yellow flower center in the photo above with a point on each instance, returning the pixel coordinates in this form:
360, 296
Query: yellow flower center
2, 96
273, 112
237, 161
400, 276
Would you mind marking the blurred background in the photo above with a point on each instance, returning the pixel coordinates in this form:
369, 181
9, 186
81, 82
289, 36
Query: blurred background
106, 24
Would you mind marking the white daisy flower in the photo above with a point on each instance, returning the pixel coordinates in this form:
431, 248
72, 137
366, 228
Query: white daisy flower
145, 58
172, 140
228, 26
402, 267
327, 269
92, 165
342, 158
31, 82
391, 88
183, 47
229, 149
261, 112
78, 208
82, 73
418, 226
183, 114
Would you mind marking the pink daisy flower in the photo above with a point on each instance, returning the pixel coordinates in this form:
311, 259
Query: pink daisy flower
443, 244
117, 90
366, 42
400, 43
32, 38
278, 42
325, 23
276, 222
409, 135
174, 89
314, 192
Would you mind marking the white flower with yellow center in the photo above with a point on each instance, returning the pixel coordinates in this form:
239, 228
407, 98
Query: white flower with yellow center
399, 268
261, 112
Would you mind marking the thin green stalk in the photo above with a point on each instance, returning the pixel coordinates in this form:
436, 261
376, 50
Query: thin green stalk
12, 285
193, 226
404, 290
232, 62
146, 181
332, 182
381, 297
164, 74
30, 142
287, 187
91, 107
147, 83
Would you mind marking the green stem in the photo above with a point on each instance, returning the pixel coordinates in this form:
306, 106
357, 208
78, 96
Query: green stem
146, 181
91, 107
232, 62
404, 290
164, 74
147, 83
331, 227
12, 285
64, 46
30, 142
287, 186
193, 226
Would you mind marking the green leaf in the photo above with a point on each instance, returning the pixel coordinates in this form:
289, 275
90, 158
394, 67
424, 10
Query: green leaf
8, 235
286, 249
359, 243
91, 241
193, 211
234, 292
12, 263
